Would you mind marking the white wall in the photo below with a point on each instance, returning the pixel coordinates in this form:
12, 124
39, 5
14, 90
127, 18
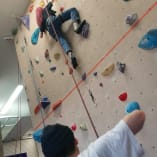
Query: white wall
107, 26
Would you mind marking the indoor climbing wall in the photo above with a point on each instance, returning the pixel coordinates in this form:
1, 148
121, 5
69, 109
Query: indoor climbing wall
113, 70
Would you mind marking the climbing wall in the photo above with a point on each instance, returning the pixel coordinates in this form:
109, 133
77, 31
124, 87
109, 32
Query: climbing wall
110, 41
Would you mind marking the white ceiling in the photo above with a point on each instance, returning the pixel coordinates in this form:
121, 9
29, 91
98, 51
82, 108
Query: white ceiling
8, 59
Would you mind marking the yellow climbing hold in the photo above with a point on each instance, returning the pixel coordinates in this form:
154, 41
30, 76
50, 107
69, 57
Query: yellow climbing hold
57, 56
42, 4
108, 70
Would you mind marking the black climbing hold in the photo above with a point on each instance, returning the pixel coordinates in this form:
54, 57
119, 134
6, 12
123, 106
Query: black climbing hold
101, 84
53, 69
95, 73
121, 67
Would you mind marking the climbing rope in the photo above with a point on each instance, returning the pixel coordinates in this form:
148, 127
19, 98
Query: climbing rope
73, 78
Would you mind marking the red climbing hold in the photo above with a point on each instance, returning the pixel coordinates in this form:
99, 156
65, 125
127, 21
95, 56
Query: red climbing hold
73, 127
61, 9
70, 70
123, 96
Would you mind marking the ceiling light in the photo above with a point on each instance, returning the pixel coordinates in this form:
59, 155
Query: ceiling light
12, 98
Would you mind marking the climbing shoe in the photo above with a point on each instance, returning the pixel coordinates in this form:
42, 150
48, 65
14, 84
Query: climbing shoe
79, 29
74, 62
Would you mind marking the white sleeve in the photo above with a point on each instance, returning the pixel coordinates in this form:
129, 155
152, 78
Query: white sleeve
119, 142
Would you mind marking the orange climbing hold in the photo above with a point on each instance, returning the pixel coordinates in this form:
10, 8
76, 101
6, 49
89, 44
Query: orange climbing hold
37, 108
56, 104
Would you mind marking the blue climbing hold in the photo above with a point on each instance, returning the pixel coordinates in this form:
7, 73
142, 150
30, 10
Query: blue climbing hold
37, 135
131, 106
45, 102
35, 36
149, 40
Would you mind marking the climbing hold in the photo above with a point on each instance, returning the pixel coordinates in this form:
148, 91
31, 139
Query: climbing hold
25, 40
37, 135
149, 41
39, 18
41, 74
23, 48
131, 19
101, 84
108, 70
62, 74
83, 127
56, 104
53, 68
123, 96
31, 8
121, 67
35, 36
73, 127
84, 76
85, 30
37, 108
131, 106
61, 9
42, 3
57, 56
29, 71
36, 60
47, 55
45, 102
95, 73
70, 70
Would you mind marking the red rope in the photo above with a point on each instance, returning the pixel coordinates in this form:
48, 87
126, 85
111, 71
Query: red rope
73, 78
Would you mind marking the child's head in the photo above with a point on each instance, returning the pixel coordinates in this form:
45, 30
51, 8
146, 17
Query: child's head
58, 141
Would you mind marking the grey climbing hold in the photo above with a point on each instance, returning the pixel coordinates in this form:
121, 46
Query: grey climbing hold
41, 74
84, 76
37, 60
95, 73
131, 19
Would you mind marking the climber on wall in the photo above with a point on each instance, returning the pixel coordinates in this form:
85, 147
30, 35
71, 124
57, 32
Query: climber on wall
59, 141
49, 17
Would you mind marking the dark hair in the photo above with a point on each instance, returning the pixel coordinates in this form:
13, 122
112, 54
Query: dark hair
57, 141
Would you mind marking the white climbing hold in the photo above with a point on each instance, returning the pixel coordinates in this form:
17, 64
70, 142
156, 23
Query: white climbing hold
83, 127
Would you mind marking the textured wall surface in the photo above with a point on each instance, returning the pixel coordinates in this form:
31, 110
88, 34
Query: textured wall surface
110, 40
